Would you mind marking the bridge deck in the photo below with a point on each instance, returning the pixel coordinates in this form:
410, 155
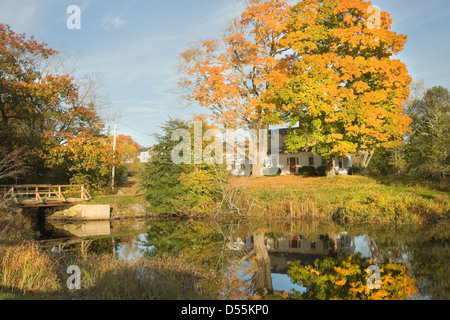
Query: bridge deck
37, 196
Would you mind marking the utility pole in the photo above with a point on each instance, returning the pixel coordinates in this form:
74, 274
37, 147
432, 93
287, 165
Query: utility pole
114, 148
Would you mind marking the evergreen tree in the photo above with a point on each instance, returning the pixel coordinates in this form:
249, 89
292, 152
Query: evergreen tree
184, 188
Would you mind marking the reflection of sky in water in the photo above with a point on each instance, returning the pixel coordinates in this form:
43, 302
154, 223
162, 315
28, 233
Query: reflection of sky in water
282, 282
361, 246
134, 250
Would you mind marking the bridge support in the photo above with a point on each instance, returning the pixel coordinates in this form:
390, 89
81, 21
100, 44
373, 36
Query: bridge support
83, 212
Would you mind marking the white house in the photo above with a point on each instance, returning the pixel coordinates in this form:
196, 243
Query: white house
289, 163
237, 163
145, 155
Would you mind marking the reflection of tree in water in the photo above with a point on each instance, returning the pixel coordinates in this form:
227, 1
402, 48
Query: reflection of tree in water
426, 255
215, 244
129, 246
193, 240
262, 277
346, 278
221, 246
430, 264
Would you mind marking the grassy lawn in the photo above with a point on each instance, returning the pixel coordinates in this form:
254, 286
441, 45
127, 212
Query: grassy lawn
118, 199
129, 195
346, 198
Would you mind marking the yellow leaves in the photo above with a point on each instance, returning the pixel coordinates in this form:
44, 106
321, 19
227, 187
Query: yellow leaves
378, 295
356, 289
341, 283
315, 272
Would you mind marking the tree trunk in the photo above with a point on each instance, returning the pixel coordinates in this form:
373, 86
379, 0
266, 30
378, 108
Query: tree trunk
257, 170
258, 148
331, 167
368, 155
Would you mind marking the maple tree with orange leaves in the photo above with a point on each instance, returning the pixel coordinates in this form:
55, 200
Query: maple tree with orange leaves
346, 91
231, 76
323, 64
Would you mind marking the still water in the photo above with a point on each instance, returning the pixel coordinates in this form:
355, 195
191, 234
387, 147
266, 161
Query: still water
260, 254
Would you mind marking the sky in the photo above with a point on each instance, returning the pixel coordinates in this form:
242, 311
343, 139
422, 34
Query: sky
133, 47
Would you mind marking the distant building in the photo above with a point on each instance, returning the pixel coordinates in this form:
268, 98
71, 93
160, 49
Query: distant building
145, 155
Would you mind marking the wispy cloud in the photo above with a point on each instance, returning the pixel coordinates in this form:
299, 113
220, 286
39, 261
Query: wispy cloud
110, 23
115, 21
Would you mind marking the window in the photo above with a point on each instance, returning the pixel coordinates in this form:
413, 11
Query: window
298, 161
324, 162
311, 161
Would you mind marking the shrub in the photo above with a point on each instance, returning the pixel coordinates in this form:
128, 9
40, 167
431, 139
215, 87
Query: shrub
307, 171
322, 171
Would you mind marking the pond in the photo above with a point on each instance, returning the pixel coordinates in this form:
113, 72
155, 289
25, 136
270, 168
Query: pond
280, 259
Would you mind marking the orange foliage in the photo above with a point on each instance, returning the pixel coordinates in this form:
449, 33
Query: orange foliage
345, 87
231, 76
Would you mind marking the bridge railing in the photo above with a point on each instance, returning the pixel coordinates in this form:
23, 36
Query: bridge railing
44, 193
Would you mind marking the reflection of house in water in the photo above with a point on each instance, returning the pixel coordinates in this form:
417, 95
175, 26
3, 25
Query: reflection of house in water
285, 248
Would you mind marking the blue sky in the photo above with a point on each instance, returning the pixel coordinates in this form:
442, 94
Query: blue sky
133, 47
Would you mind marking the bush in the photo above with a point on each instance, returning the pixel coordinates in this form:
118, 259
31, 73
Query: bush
307, 171
356, 170
322, 171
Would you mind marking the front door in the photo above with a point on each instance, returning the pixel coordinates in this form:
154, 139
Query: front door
293, 165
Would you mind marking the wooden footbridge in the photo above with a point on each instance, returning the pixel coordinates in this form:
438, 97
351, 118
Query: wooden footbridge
37, 196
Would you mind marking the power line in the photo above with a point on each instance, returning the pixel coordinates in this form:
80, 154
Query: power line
141, 132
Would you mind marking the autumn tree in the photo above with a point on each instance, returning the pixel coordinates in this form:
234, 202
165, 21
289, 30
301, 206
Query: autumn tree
127, 149
231, 76
346, 91
42, 107
87, 160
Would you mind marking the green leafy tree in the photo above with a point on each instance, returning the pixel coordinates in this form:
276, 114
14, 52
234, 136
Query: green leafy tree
428, 147
160, 178
185, 188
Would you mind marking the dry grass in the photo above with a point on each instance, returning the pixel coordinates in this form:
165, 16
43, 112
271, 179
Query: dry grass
24, 268
28, 272
345, 198
14, 228
160, 278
